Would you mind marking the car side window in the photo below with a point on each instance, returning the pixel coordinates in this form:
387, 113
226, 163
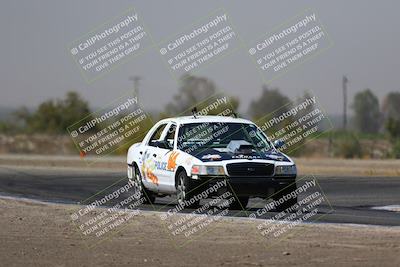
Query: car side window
156, 135
170, 137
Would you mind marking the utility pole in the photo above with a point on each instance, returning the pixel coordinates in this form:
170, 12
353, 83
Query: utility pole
344, 86
135, 80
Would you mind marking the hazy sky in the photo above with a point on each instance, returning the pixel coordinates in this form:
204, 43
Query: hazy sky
36, 64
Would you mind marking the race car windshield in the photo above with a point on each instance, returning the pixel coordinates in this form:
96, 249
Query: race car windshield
195, 136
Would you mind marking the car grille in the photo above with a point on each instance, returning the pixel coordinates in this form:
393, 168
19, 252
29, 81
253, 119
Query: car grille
250, 169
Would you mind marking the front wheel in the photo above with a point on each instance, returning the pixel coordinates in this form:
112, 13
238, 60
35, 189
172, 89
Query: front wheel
289, 202
184, 192
139, 191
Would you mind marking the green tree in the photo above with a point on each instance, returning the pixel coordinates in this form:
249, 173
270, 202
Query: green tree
196, 92
16, 122
6, 127
391, 113
269, 107
46, 119
309, 108
73, 108
270, 100
54, 116
367, 117
192, 91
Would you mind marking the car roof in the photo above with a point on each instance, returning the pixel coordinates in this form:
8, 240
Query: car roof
202, 119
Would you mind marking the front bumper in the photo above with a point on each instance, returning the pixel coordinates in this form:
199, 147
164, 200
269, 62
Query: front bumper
249, 186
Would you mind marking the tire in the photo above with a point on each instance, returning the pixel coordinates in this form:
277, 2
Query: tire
185, 192
239, 203
138, 188
288, 203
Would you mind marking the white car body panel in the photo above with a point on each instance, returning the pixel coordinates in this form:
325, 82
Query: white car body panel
164, 163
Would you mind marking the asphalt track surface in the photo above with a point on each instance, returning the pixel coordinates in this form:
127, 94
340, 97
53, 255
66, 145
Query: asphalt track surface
351, 198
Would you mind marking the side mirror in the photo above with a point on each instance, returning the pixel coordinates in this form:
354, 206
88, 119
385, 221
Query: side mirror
279, 143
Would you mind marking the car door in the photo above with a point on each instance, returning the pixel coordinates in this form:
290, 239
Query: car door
149, 158
166, 160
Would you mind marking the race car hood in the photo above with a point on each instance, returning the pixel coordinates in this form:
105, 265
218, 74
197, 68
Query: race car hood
210, 154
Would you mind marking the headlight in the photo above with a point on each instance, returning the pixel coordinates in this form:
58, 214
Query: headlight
285, 170
207, 170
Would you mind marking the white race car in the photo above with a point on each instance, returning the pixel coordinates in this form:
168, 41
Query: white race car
185, 155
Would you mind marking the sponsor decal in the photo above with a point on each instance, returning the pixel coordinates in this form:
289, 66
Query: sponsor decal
246, 156
151, 176
211, 157
172, 161
161, 165
148, 168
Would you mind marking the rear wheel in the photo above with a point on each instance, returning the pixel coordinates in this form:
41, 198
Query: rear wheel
184, 191
138, 188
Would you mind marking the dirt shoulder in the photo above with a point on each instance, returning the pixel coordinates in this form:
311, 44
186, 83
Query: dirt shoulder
348, 167
315, 166
42, 234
